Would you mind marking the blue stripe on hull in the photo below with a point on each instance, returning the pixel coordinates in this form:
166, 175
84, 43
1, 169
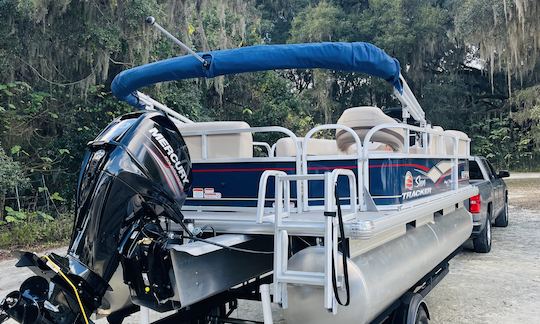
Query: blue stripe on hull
392, 181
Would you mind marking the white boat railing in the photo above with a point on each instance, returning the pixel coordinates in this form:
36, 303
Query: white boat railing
305, 171
454, 156
423, 149
265, 145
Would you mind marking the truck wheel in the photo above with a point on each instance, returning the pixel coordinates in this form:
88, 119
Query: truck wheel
502, 220
482, 244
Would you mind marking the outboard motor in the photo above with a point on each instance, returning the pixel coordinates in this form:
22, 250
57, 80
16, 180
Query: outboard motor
134, 178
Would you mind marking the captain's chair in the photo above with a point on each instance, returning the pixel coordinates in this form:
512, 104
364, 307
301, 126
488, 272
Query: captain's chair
362, 120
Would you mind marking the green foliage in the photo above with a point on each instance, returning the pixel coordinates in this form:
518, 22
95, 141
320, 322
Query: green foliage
56, 197
57, 59
19, 216
11, 173
37, 231
527, 102
323, 22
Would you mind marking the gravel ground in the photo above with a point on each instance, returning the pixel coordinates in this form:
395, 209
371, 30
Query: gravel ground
504, 285
500, 287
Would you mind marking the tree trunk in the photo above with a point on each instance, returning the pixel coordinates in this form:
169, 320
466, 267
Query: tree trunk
2, 203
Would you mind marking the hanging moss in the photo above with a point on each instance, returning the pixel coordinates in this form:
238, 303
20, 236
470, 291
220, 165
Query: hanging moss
509, 36
80, 43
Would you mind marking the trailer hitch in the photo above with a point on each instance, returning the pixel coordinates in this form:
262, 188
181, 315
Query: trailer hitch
62, 291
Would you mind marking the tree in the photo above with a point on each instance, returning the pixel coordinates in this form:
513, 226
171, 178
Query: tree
11, 175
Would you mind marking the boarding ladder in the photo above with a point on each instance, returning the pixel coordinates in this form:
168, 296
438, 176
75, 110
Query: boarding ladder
285, 225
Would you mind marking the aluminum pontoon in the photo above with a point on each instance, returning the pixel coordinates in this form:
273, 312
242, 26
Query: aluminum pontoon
344, 229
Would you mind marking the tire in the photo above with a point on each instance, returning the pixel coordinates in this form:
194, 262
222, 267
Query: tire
502, 219
421, 316
482, 243
413, 310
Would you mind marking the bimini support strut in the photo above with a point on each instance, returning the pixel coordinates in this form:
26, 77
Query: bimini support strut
152, 22
152, 104
411, 107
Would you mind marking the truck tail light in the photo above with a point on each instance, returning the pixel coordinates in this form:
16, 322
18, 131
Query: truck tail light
475, 204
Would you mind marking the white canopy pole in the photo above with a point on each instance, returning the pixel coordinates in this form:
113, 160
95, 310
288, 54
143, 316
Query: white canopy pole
150, 103
411, 106
152, 22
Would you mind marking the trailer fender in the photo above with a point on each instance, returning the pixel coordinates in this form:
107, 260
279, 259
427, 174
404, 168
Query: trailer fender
413, 302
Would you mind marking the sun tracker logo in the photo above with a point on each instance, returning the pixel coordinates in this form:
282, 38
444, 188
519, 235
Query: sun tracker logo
409, 181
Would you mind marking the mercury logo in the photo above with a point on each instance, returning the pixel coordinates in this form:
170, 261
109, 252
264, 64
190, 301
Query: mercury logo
173, 157
409, 180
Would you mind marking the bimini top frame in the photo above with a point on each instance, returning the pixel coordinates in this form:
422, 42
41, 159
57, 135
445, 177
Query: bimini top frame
352, 57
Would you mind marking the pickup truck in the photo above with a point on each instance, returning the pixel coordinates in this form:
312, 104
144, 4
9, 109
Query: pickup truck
490, 206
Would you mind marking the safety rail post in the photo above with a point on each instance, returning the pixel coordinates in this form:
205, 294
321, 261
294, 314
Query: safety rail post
455, 163
442, 144
359, 157
273, 150
279, 288
425, 142
331, 231
407, 141
261, 198
204, 144
329, 209
266, 303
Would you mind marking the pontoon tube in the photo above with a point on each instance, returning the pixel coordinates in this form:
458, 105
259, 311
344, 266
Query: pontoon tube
379, 276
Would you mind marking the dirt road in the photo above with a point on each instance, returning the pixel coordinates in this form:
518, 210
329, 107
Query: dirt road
500, 287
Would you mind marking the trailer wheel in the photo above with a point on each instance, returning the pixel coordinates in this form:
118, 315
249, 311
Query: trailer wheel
413, 310
422, 315
417, 312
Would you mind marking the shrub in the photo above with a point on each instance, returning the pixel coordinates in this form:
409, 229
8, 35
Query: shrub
35, 231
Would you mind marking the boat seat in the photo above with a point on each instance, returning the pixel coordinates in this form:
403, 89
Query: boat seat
436, 143
316, 146
449, 143
372, 147
236, 145
362, 120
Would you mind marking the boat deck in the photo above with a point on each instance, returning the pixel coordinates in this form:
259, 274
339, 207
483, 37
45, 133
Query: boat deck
360, 224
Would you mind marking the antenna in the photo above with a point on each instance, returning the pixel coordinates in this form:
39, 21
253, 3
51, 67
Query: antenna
152, 22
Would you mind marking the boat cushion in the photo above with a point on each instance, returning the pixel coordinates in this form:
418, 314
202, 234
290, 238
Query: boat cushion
316, 146
462, 145
435, 142
362, 120
236, 145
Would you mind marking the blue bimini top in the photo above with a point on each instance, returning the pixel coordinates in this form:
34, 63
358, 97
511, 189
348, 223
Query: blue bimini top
352, 57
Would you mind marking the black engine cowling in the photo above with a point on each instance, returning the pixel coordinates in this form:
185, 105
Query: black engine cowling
134, 174
139, 165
